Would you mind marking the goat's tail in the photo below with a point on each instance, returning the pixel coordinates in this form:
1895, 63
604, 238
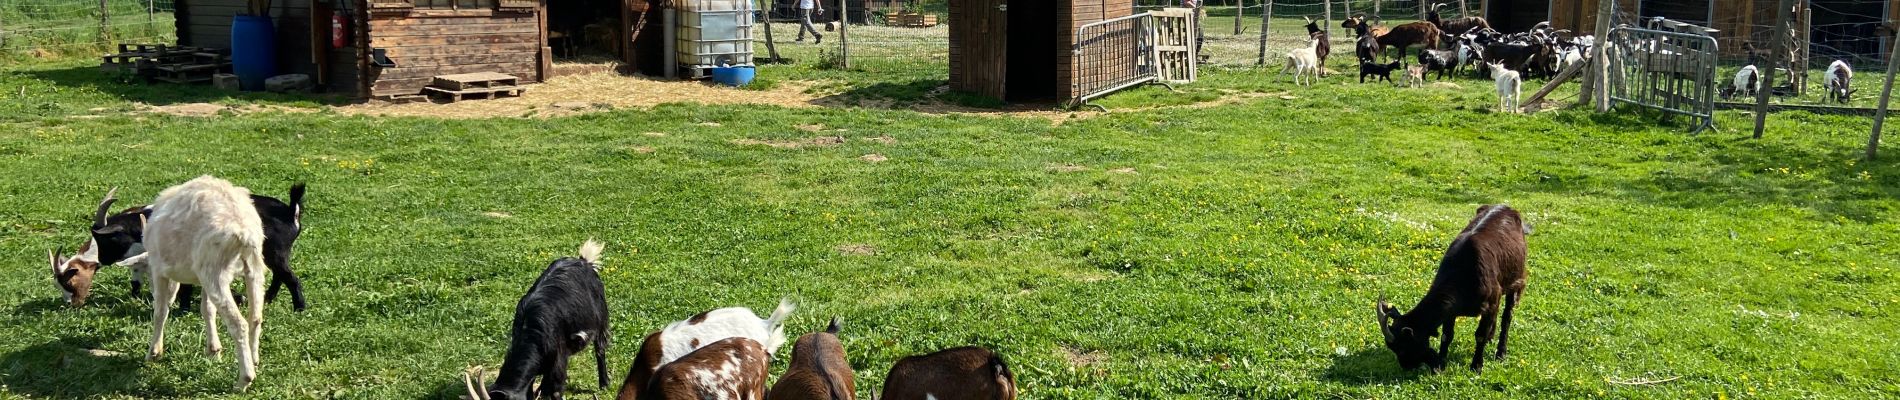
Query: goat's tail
1005, 380
776, 324
590, 252
296, 195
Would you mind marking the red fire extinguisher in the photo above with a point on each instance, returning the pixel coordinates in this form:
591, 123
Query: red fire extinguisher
340, 29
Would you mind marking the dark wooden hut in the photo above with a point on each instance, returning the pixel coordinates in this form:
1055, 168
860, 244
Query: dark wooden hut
1011, 51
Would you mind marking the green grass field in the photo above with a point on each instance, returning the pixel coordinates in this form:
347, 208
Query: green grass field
1183, 247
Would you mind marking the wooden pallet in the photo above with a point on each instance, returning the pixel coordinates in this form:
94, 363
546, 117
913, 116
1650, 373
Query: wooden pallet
909, 20
482, 92
478, 80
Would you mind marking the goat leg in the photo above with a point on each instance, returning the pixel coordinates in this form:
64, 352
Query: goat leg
1504, 332
1444, 344
1487, 327
162, 292
554, 384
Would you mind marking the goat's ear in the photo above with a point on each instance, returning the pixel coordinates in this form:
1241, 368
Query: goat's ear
1407, 332
834, 328
53, 256
108, 230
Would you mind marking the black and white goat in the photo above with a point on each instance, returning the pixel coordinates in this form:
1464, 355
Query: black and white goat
116, 237
1484, 264
205, 232
562, 313
1839, 81
1747, 82
1440, 61
963, 373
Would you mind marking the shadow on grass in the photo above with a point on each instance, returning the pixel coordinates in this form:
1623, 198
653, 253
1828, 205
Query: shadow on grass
926, 95
67, 369
1372, 365
161, 93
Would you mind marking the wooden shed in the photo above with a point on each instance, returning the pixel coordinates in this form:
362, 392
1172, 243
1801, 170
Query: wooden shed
1011, 51
421, 39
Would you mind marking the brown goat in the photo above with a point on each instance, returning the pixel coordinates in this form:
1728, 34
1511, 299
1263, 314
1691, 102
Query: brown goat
1455, 25
1485, 263
818, 370
645, 365
731, 368
963, 373
1403, 36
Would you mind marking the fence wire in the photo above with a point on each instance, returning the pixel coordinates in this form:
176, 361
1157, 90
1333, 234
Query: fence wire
56, 28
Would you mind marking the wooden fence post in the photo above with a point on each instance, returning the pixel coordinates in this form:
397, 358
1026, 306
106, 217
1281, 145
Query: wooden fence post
1886, 92
1600, 68
844, 38
1781, 50
1240, 7
771, 49
1266, 14
104, 15
1463, 10
151, 8
1375, 8
1329, 19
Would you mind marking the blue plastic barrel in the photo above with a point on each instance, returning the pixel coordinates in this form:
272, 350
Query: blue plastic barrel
733, 76
253, 50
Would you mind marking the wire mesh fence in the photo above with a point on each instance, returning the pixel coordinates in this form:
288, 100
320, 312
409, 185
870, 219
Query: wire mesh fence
51, 28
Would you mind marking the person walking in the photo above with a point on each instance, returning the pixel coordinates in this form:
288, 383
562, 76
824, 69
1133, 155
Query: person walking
807, 9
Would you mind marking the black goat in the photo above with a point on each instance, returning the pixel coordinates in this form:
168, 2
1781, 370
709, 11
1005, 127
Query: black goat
1441, 61
118, 237
1382, 71
1483, 265
563, 312
1515, 55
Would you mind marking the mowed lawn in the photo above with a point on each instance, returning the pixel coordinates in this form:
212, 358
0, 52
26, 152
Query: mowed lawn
1222, 252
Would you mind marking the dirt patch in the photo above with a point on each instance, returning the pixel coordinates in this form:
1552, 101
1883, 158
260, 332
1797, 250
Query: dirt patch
498, 214
1080, 358
874, 158
641, 149
1124, 171
576, 94
811, 127
821, 141
881, 139
189, 109
654, 134
1067, 168
1443, 85
857, 249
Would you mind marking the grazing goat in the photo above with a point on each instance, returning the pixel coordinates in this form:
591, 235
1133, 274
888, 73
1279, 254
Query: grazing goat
1324, 46
205, 232
1508, 87
1838, 81
1414, 75
1440, 61
1461, 24
119, 236
1485, 263
963, 373
1422, 34
1302, 62
818, 370
562, 313
732, 368
1376, 70
683, 337
1747, 83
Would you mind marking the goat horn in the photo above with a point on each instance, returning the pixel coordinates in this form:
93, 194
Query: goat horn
99, 216
472, 380
53, 255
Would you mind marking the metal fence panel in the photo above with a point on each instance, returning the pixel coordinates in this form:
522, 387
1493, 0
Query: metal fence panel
1668, 71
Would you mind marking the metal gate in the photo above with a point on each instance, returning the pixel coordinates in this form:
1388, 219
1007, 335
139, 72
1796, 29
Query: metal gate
1668, 71
1123, 52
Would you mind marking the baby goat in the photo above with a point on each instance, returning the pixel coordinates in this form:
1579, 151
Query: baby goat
1838, 81
1303, 61
818, 370
562, 313
119, 236
1485, 263
683, 337
1377, 71
1747, 82
205, 232
1508, 87
963, 373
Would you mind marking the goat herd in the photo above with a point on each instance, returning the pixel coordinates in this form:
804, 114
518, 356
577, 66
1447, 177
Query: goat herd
207, 232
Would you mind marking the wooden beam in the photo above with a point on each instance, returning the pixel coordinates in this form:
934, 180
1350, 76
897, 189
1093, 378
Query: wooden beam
1781, 50
1886, 92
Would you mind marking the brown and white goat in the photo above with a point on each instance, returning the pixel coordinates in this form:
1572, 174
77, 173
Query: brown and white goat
1405, 36
205, 232
683, 337
732, 368
818, 370
963, 373
1484, 264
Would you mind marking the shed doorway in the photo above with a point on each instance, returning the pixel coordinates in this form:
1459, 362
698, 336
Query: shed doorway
1517, 16
1031, 70
584, 30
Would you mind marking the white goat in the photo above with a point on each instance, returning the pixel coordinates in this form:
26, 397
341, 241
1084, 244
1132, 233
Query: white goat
1747, 81
1302, 61
683, 337
205, 232
1508, 87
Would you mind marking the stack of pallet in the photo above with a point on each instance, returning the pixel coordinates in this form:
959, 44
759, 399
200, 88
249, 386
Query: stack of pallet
176, 64
915, 20
481, 84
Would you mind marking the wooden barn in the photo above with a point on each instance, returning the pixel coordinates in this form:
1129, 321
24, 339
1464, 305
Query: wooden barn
420, 39
1011, 51
1840, 28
